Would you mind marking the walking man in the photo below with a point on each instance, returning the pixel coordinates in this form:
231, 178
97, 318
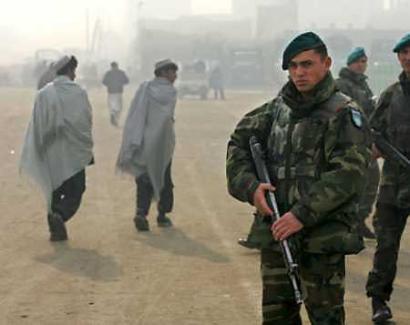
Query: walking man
317, 149
114, 80
58, 145
148, 144
392, 119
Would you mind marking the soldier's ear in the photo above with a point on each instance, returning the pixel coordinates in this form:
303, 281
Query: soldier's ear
328, 62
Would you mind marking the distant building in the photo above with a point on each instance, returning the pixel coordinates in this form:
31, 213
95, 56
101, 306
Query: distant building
326, 14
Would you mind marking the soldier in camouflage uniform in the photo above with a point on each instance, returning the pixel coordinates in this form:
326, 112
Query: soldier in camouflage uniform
392, 119
352, 82
317, 147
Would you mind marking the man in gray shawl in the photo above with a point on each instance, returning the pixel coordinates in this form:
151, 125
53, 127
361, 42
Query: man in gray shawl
148, 144
58, 145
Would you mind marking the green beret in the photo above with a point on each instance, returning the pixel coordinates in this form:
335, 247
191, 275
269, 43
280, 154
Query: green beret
303, 42
355, 55
404, 41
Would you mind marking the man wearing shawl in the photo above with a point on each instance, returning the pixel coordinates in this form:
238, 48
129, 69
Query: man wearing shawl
148, 144
58, 145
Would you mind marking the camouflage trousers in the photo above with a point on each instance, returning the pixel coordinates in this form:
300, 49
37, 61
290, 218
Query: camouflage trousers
322, 281
370, 189
389, 223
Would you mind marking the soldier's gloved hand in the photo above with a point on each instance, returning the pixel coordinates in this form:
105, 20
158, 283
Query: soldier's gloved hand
259, 199
286, 226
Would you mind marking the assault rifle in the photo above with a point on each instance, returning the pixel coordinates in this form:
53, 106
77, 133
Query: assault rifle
291, 265
389, 151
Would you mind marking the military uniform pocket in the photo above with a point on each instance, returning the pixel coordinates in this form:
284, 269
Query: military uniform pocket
333, 237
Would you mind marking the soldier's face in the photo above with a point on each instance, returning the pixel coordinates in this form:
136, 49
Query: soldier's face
307, 69
404, 58
359, 66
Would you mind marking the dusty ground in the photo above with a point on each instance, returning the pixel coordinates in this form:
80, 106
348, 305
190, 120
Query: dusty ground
107, 273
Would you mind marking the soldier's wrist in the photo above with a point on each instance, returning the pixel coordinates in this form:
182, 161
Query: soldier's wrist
251, 189
302, 213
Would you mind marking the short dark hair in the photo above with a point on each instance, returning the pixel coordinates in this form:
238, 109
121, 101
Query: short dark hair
70, 66
114, 64
171, 67
322, 51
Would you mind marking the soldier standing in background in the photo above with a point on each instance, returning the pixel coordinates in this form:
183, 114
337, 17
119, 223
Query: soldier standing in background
317, 150
392, 119
352, 82
114, 80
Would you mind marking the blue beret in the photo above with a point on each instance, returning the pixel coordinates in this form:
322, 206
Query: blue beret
303, 42
355, 55
404, 41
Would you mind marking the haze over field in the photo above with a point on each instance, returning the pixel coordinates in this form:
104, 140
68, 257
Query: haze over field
27, 25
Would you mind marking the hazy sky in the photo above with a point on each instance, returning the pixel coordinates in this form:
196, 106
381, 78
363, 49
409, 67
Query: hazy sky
29, 24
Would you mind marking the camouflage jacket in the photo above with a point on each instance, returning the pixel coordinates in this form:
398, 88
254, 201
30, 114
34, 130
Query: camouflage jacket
317, 151
355, 86
392, 119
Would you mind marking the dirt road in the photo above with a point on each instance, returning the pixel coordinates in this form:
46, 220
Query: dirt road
107, 273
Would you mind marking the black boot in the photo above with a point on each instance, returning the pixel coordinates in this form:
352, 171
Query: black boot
381, 312
141, 223
163, 221
58, 231
365, 232
245, 242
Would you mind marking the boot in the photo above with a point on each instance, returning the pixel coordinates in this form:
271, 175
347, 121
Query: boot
141, 223
58, 231
381, 312
163, 221
245, 242
365, 232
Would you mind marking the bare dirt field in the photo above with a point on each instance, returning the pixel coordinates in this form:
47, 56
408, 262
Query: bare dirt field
108, 273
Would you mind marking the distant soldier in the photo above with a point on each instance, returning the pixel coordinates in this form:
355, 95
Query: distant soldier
148, 144
216, 82
114, 80
392, 119
352, 82
58, 145
317, 147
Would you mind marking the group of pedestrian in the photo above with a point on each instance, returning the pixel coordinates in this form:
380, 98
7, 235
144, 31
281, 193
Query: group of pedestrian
322, 159
58, 144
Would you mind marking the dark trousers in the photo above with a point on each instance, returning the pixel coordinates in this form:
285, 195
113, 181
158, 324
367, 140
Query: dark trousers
369, 193
67, 198
323, 279
389, 223
145, 193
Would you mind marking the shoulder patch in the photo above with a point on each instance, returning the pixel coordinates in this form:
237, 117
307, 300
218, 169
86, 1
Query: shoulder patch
357, 118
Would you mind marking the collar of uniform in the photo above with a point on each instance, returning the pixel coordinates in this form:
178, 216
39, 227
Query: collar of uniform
351, 75
405, 83
302, 106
